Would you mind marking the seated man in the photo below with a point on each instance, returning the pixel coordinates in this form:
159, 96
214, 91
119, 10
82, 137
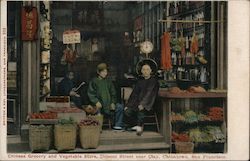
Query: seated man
66, 88
102, 94
141, 99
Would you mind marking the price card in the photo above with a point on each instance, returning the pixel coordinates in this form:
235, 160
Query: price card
71, 37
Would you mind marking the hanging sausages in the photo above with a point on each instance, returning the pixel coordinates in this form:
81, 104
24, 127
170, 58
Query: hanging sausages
165, 52
194, 44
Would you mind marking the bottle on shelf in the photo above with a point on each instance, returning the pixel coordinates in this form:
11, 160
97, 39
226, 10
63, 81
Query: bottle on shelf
188, 58
192, 59
179, 59
175, 7
174, 58
187, 42
183, 59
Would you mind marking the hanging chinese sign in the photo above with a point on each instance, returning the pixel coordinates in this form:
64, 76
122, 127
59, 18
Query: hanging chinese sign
71, 37
29, 23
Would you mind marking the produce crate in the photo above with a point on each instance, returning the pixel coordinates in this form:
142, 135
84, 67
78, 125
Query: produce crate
40, 137
65, 136
89, 136
184, 147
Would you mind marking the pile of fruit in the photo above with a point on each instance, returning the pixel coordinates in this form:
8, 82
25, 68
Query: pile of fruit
176, 117
43, 115
66, 110
183, 137
215, 113
203, 117
89, 121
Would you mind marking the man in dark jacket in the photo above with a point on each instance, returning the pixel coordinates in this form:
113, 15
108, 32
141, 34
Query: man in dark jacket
66, 88
141, 99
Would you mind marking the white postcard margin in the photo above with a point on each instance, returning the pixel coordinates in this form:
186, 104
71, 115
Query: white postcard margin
238, 98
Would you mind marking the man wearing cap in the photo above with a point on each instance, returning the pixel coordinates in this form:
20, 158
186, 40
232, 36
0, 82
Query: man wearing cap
102, 94
142, 98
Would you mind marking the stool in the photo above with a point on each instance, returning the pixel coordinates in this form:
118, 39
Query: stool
107, 123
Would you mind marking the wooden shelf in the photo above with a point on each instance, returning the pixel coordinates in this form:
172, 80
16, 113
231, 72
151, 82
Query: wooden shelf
166, 94
190, 11
190, 65
190, 29
43, 121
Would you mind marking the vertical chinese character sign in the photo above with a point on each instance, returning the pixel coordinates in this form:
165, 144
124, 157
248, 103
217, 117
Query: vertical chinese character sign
29, 23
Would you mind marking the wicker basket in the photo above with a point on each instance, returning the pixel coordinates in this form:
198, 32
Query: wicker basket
65, 137
184, 147
40, 137
89, 136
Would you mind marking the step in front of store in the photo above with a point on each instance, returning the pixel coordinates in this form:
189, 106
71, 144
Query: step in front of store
113, 142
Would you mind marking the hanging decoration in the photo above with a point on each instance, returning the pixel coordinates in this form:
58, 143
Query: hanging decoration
166, 63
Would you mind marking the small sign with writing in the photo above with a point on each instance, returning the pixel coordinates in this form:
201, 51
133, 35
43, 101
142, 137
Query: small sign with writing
71, 37
58, 99
29, 23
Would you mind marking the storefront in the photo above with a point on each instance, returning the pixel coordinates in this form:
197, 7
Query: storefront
186, 40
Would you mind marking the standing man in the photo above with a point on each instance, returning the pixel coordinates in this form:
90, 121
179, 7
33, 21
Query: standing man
102, 94
142, 98
66, 88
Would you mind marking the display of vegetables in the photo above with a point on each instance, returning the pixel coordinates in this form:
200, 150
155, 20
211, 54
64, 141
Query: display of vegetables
203, 117
43, 115
190, 117
183, 137
89, 121
217, 134
195, 135
66, 121
176, 117
207, 134
215, 113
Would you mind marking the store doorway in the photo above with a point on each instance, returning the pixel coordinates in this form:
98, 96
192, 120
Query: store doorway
13, 72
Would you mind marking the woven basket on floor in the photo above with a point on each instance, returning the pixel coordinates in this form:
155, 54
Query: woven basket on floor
184, 147
40, 137
89, 136
65, 137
